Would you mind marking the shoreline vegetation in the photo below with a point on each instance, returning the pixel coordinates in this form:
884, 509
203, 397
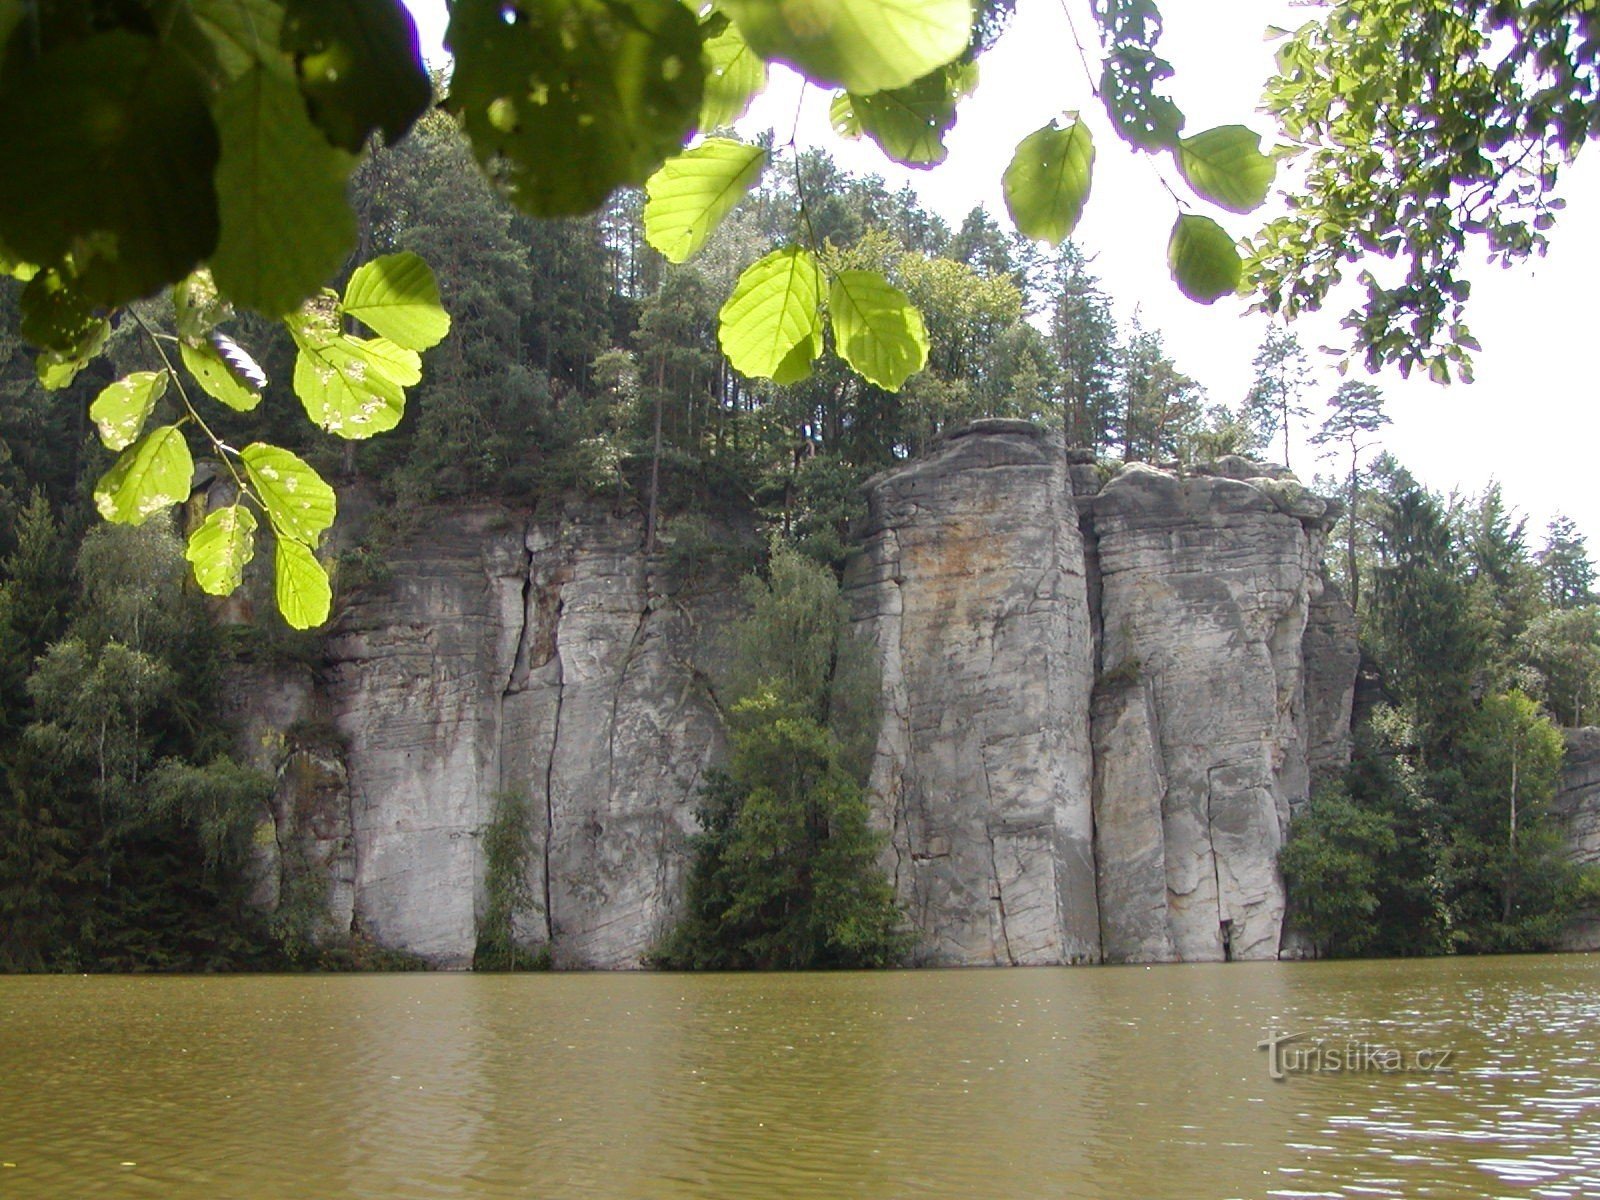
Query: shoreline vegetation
585, 365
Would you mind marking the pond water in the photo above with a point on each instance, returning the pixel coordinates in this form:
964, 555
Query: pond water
1136, 1082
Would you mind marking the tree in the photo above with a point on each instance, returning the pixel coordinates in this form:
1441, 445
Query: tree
1562, 650
1273, 403
1569, 575
1425, 627
1161, 406
1422, 127
1504, 867
1357, 415
785, 871
1083, 335
1332, 865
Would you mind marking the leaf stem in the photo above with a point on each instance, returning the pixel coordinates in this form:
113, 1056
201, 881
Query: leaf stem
222, 448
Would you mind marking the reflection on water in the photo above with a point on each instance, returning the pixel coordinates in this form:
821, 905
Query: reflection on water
1124, 1082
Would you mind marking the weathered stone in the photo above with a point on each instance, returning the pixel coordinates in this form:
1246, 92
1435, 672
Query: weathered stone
1129, 833
1332, 657
1577, 809
1204, 597
971, 586
1000, 582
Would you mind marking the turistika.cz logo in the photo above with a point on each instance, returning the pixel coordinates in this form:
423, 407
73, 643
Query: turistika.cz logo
1296, 1054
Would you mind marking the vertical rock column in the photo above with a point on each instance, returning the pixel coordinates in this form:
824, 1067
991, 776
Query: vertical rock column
971, 585
1205, 586
609, 728
414, 685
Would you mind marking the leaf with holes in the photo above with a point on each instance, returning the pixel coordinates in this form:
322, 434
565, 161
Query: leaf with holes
1226, 166
910, 123
863, 46
876, 328
221, 548
571, 99
120, 410
734, 73
301, 585
150, 476
360, 67
692, 192
1203, 259
1047, 183
299, 503
225, 372
774, 308
350, 386
397, 297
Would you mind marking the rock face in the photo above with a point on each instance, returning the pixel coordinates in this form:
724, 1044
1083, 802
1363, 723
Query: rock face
971, 583
1577, 808
1101, 706
1205, 588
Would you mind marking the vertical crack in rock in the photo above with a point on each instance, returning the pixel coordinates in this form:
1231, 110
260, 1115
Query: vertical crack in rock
994, 861
550, 778
1216, 866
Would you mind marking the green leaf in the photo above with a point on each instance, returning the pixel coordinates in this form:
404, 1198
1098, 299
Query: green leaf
1226, 166
56, 316
302, 590
120, 410
198, 307
774, 308
238, 383
109, 154
56, 371
150, 476
910, 123
286, 226
397, 297
734, 74
692, 192
222, 39
1047, 183
876, 328
360, 67
797, 364
221, 548
1203, 259
1143, 118
298, 501
863, 46
571, 99
355, 387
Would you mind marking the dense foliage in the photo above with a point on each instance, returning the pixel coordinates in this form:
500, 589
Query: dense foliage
1440, 835
585, 362
785, 871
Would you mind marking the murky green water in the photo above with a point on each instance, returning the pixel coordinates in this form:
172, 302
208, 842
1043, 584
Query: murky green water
1117, 1082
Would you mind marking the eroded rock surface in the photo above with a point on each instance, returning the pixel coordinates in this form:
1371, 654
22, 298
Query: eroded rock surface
1105, 691
1577, 808
1205, 586
971, 584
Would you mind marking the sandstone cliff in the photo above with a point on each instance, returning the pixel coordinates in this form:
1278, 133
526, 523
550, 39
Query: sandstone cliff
1101, 706
1577, 808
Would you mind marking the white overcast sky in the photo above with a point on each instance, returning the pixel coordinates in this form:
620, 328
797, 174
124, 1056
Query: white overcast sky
1532, 419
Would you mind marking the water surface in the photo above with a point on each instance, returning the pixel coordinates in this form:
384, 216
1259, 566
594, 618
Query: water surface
1009, 1084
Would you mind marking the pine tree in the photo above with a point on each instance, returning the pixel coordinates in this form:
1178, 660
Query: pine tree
1274, 402
1569, 575
1083, 335
1357, 415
